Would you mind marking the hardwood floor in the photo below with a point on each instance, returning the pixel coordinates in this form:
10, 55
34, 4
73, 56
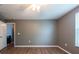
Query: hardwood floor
31, 50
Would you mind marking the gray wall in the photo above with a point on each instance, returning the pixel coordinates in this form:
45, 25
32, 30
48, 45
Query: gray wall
66, 31
38, 32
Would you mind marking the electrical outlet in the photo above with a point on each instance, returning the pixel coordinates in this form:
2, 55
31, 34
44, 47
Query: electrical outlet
65, 44
29, 41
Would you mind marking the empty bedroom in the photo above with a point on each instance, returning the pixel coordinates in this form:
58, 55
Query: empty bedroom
39, 29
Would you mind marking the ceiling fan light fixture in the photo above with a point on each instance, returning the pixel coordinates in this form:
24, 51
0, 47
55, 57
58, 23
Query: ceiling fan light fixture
35, 7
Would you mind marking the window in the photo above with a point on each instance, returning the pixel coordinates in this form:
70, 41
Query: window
77, 29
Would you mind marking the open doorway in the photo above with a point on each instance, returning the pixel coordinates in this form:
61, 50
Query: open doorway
10, 34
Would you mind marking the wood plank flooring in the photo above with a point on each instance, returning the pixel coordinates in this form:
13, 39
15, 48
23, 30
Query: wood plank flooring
32, 50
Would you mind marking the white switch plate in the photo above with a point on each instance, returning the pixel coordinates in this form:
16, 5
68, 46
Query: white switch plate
29, 41
18, 33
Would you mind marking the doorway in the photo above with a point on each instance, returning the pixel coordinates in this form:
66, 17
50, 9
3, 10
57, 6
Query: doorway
10, 34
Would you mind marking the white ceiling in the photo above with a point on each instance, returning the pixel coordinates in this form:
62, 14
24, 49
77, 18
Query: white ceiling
47, 12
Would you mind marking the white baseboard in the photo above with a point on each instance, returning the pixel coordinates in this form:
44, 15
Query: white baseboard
64, 50
43, 46
35, 46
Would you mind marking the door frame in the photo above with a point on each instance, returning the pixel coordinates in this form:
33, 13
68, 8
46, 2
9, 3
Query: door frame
14, 31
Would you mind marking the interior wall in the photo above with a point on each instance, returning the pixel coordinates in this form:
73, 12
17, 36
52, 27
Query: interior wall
38, 32
9, 29
66, 31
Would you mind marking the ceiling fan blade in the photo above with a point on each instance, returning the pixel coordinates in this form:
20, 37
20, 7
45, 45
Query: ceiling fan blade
23, 6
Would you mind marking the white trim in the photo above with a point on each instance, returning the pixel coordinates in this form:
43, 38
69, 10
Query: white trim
36, 46
64, 50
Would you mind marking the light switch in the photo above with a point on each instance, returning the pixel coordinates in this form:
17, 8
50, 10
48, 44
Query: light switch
19, 33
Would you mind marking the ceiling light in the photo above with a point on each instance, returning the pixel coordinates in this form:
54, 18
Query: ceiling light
32, 7
35, 7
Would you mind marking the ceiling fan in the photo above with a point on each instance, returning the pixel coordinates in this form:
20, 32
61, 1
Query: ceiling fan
33, 7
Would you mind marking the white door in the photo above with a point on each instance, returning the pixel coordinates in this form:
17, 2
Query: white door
3, 39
